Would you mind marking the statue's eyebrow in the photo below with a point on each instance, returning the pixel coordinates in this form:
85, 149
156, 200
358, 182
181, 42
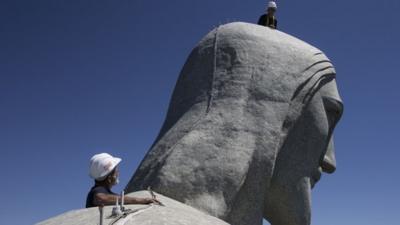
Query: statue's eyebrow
304, 83
318, 53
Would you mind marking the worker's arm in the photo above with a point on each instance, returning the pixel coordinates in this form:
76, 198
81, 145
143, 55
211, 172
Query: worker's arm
133, 200
108, 199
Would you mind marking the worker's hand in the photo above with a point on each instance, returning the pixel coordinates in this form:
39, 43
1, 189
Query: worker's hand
155, 201
150, 200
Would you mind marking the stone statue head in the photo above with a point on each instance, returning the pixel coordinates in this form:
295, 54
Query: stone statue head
249, 128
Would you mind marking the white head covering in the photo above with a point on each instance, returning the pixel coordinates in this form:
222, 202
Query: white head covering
272, 4
101, 165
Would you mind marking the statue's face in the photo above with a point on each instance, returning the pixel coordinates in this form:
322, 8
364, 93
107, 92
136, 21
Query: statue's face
306, 153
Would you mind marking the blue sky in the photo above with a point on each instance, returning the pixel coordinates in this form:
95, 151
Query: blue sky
82, 77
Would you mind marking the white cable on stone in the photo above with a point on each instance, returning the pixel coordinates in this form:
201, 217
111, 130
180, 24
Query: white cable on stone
124, 220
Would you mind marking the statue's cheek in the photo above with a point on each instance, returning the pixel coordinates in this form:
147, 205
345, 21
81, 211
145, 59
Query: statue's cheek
315, 132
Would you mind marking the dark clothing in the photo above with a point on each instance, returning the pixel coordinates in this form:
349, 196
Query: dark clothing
267, 21
95, 190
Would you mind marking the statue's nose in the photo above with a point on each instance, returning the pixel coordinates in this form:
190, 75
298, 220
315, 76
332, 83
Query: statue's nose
328, 164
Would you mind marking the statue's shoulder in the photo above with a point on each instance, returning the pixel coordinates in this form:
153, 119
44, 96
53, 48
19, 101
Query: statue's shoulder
173, 212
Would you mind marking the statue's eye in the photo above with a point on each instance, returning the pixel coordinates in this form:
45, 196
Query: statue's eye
334, 110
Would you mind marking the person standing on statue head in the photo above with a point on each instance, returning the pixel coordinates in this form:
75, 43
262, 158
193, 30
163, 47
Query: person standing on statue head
269, 19
104, 170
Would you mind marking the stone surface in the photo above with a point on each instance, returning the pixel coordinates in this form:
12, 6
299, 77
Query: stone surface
173, 213
249, 128
247, 135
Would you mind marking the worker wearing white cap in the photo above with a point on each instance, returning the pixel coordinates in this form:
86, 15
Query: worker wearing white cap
269, 19
104, 170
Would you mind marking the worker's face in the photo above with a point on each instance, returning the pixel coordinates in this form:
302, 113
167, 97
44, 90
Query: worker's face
271, 11
114, 178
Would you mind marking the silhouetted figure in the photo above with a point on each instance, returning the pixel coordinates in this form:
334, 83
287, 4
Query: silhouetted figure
269, 19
